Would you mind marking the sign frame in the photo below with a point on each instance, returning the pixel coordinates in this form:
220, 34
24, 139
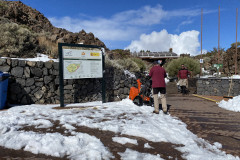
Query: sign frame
218, 66
61, 69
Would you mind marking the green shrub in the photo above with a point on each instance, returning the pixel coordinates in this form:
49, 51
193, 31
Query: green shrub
119, 54
129, 65
16, 40
112, 63
132, 64
206, 59
191, 64
140, 63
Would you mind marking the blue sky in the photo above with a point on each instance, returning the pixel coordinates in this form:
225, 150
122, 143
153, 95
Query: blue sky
154, 25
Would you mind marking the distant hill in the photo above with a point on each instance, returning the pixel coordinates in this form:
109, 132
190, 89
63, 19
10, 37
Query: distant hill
30, 31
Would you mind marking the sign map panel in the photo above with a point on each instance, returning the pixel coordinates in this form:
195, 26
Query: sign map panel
79, 64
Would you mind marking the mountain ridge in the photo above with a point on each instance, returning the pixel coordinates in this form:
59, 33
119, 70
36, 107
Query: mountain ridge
21, 14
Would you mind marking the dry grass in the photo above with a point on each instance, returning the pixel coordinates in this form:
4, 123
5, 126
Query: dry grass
50, 47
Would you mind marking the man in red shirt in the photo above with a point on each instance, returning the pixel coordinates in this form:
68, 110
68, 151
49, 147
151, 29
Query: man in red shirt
183, 78
158, 74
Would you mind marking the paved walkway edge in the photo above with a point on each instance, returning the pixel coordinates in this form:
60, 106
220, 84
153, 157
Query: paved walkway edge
201, 96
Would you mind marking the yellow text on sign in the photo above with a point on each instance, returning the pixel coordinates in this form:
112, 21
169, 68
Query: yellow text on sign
94, 54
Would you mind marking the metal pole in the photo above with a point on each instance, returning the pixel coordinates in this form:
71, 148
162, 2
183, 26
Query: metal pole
218, 32
103, 78
61, 83
236, 41
218, 56
201, 41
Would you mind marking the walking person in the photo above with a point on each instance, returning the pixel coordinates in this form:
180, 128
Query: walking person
183, 74
158, 74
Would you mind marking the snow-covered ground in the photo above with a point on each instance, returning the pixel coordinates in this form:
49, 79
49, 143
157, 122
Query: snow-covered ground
231, 77
236, 76
137, 121
231, 104
39, 57
123, 118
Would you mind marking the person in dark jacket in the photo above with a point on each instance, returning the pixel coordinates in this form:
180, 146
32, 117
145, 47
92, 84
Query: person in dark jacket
183, 74
158, 74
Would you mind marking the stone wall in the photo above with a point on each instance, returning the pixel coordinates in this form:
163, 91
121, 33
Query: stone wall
38, 82
218, 86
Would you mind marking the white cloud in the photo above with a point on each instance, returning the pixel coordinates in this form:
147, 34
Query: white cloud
130, 25
183, 23
186, 42
123, 26
144, 16
184, 13
104, 29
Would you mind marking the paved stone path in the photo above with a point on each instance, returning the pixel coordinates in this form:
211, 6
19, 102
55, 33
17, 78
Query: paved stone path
205, 119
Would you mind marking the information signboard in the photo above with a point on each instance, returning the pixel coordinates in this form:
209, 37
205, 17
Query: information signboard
79, 63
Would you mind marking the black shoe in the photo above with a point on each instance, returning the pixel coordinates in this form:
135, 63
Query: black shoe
155, 112
165, 112
184, 90
181, 90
